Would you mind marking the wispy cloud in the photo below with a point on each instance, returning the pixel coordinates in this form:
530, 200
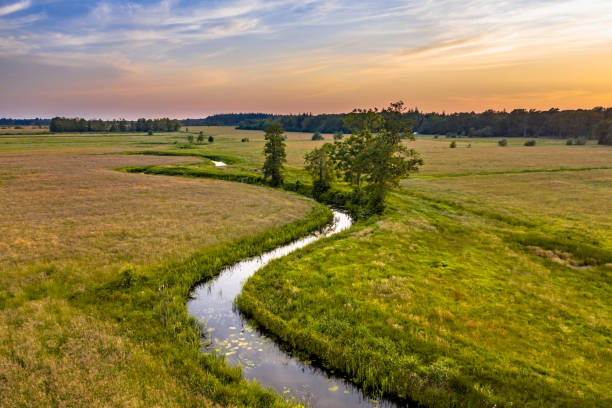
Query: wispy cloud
330, 49
14, 7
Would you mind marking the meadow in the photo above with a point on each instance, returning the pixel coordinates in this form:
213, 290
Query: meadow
89, 311
486, 282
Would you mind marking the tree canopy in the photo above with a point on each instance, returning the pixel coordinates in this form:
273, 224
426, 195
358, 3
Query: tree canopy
274, 150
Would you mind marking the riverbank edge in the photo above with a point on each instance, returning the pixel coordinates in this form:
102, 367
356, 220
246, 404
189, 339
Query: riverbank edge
151, 305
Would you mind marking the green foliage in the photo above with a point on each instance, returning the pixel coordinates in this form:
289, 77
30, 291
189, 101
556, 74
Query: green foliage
503, 142
200, 138
603, 132
317, 136
373, 154
339, 135
275, 154
531, 142
150, 133
190, 138
453, 144
319, 164
64, 125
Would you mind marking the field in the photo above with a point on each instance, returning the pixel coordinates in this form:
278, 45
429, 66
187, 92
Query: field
69, 225
486, 282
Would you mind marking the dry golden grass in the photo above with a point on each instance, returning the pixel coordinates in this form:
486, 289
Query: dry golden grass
23, 129
68, 222
486, 156
74, 211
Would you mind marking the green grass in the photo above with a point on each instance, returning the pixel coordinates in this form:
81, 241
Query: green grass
457, 309
487, 282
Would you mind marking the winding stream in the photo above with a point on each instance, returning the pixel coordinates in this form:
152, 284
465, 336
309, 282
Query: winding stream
227, 333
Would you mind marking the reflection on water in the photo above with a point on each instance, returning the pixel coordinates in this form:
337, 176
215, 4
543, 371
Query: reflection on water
261, 358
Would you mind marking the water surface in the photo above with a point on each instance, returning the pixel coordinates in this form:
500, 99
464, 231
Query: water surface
228, 334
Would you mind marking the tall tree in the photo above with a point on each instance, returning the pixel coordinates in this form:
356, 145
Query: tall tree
320, 165
274, 150
374, 153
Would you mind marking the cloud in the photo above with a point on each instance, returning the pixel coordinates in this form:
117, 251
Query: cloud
15, 7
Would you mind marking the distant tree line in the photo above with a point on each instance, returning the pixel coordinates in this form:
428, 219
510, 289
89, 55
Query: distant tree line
98, 125
24, 122
225, 119
517, 123
305, 122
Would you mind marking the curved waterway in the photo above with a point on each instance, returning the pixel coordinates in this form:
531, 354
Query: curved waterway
227, 333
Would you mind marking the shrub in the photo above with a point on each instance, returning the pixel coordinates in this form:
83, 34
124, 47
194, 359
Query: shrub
453, 144
190, 138
338, 136
530, 143
211, 139
317, 136
200, 137
245, 140
503, 142
436, 136
569, 142
580, 141
150, 133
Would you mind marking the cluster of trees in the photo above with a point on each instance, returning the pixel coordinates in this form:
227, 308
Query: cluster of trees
98, 125
603, 132
305, 122
225, 119
24, 122
372, 159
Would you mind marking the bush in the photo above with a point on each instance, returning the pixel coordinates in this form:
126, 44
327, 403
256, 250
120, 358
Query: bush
436, 136
150, 133
580, 141
569, 142
530, 143
317, 136
503, 142
338, 136
190, 138
453, 144
245, 140
211, 139
200, 137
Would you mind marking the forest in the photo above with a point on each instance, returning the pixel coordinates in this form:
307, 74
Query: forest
517, 123
98, 125
226, 119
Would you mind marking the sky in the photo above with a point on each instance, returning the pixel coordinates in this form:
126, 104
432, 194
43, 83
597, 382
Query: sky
188, 58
